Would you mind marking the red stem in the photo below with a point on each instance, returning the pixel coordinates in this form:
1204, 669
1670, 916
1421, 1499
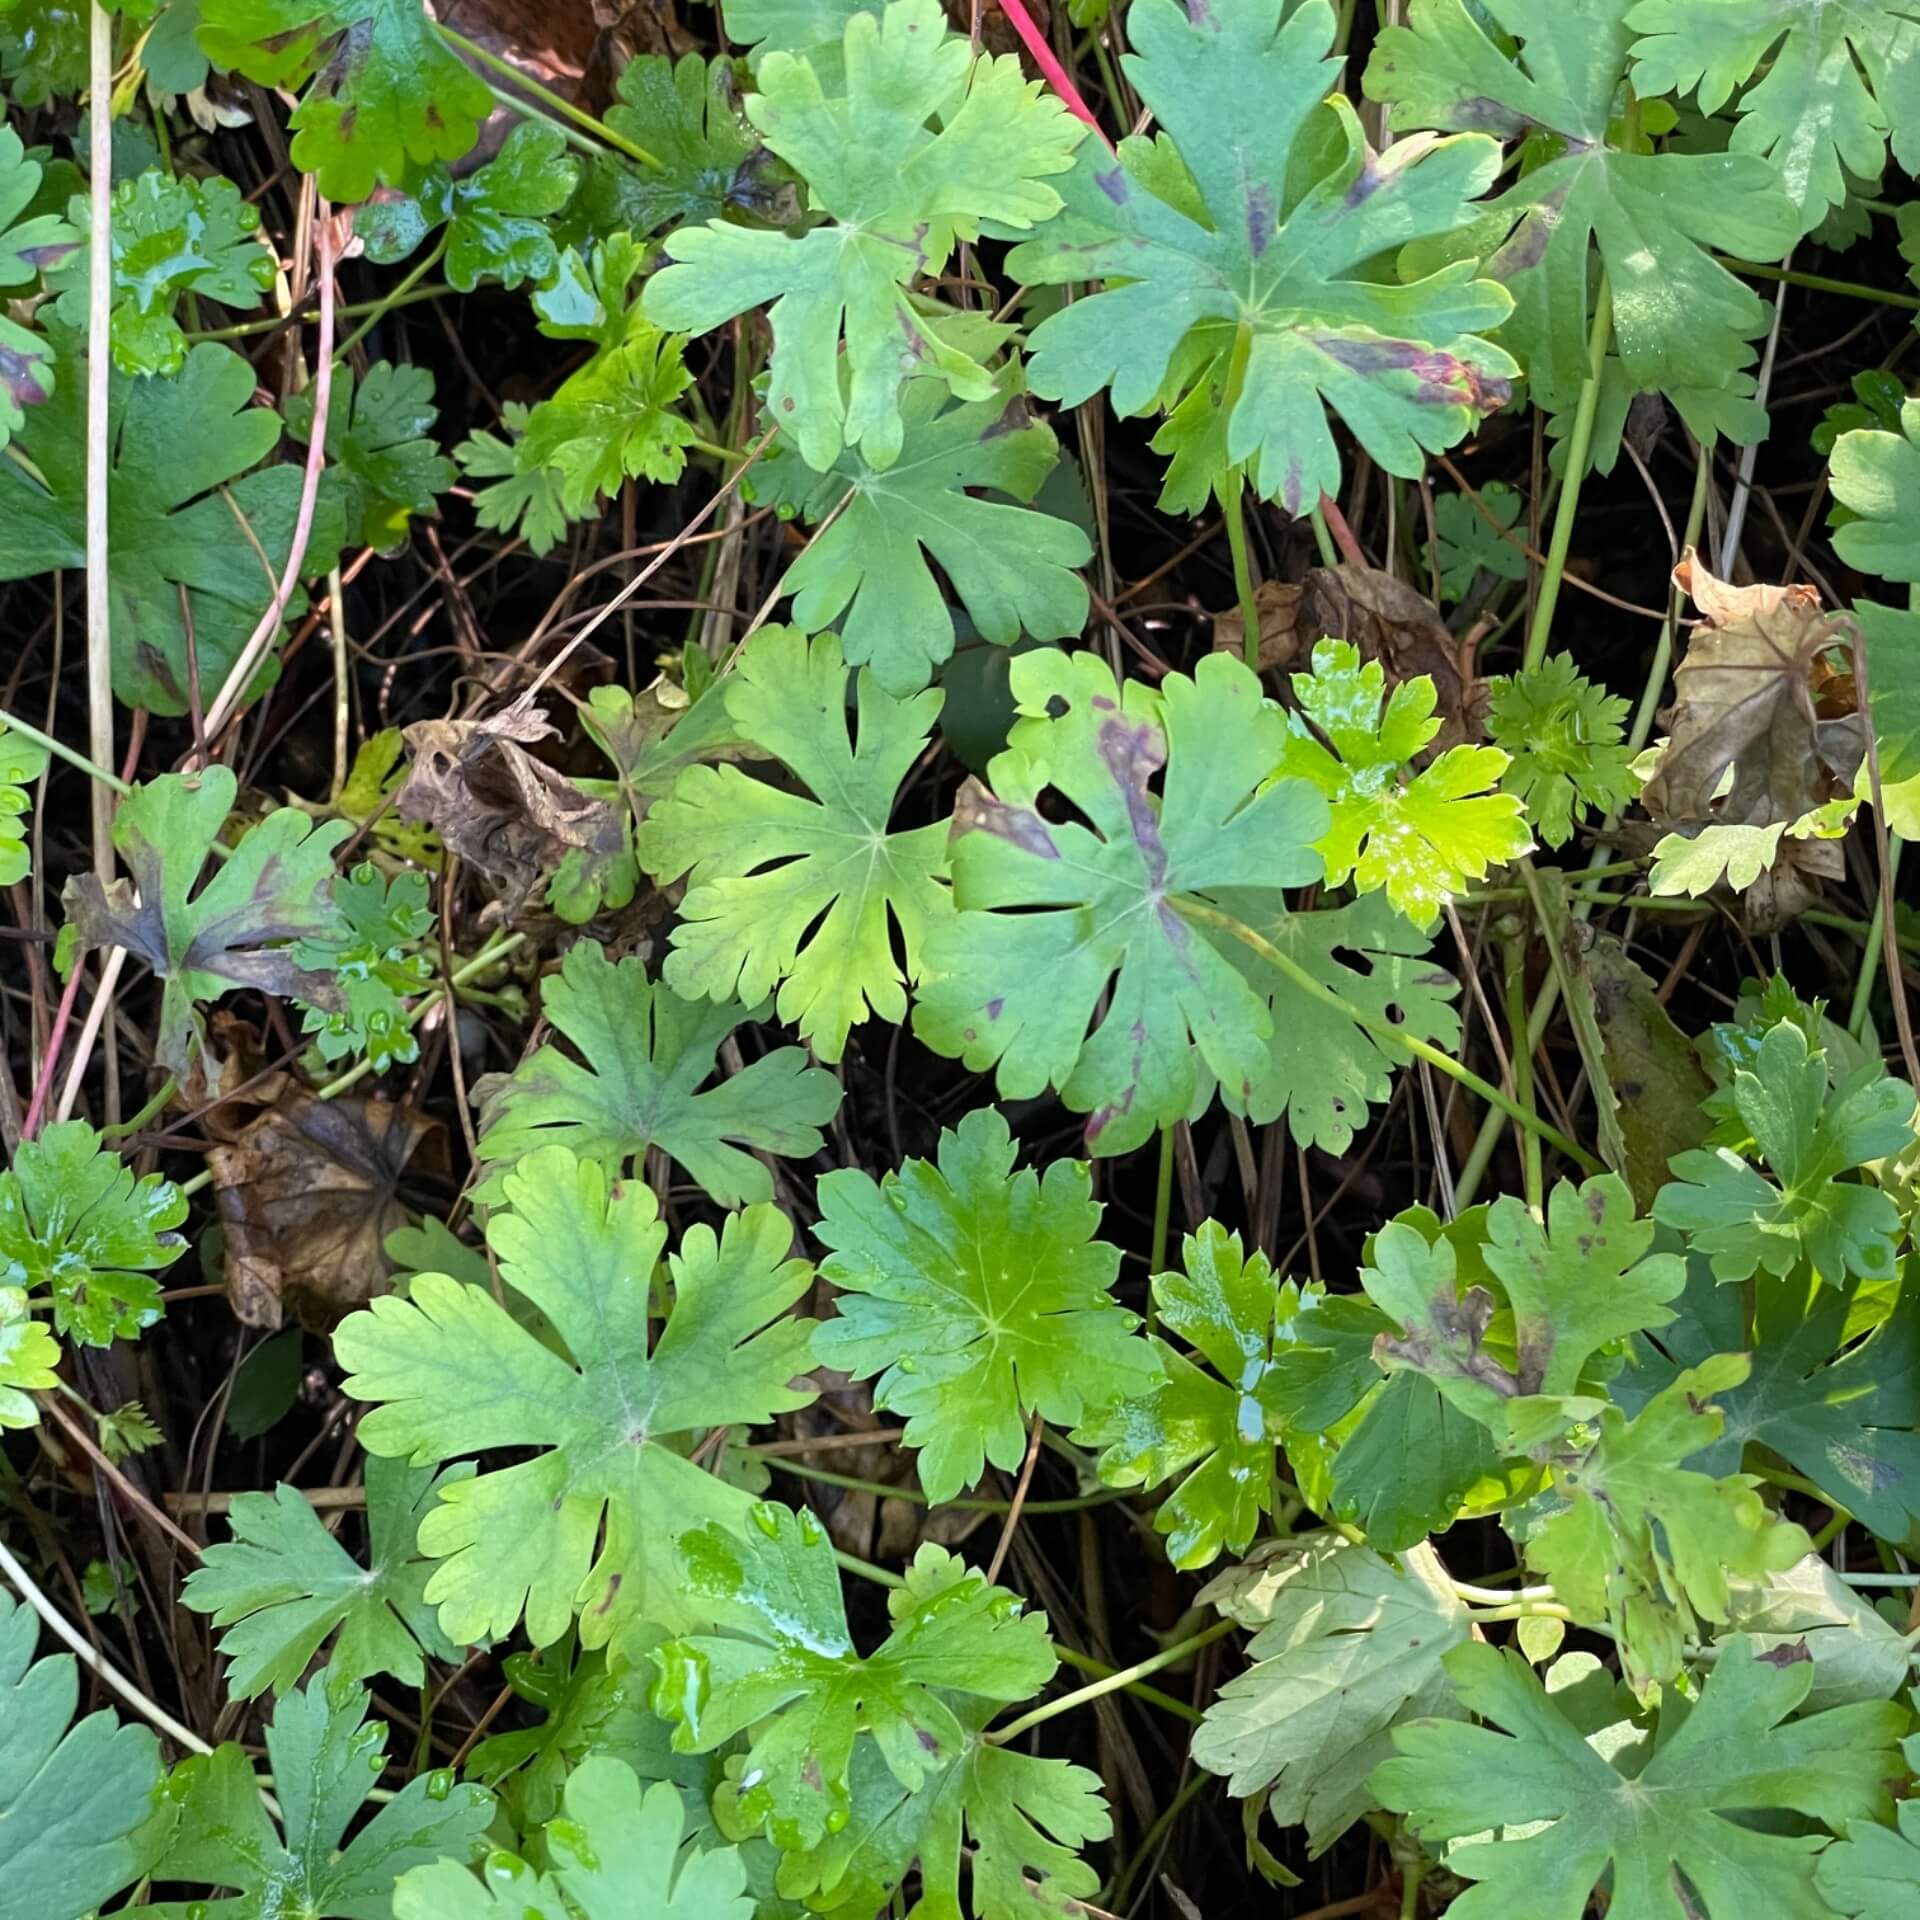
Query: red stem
1048, 62
50, 1065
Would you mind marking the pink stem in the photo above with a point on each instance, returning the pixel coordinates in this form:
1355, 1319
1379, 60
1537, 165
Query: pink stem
1045, 59
44, 1085
1342, 533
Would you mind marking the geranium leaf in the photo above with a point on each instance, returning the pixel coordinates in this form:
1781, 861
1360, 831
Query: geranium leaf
1346, 1646
785, 1668
1468, 543
1680, 319
1646, 1544
325, 1755
896, 201
616, 1850
1322, 1073
1876, 477
1809, 1130
72, 1798
979, 1296
381, 446
171, 237
283, 1586
609, 1430
275, 887
385, 88
1563, 738
1018, 990
1838, 80
182, 449
646, 1052
28, 249
803, 890
1244, 245
1420, 842
77, 1226
21, 763
1010, 564
375, 963
1657, 1832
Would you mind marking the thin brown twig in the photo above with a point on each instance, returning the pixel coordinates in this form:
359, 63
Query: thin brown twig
86, 1443
1012, 1520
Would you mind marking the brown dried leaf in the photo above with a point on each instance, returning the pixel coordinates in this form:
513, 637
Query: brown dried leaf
308, 1192
1386, 619
502, 811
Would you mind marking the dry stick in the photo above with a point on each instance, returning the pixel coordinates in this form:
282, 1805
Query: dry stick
1012, 1520
260, 640
85, 1441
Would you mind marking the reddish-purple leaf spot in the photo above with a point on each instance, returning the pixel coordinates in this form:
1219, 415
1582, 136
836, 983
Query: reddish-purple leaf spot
1790, 1653
1115, 185
1133, 755
1478, 114
1526, 246
996, 1007
1200, 14
20, 375
975, 810
1260, 220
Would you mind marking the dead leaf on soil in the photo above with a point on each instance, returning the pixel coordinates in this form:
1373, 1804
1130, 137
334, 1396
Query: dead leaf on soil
1386, 619
308, 1192
502, 811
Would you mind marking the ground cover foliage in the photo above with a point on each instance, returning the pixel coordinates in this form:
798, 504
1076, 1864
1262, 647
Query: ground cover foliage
955, 961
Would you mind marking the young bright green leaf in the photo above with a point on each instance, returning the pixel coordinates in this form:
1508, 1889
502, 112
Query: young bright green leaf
204, 941
28, 248
1666, 1834
897, 198
1580, 1284
1218, 1429
1876, 477
1347, 1645
646, 1052
1018, 990
1680, 319
1646, 1544
380, 445
609, 1431
29, 1360
375, 963
617, 1851
1566, 750
1809, 1129
1322, 1072
21, 763
1838, 80
1842, 1414
182, 449
1468, 544
72, 1798
1738, 857
1010, 564
523, 498
325, 1754
1420, 842
77, 1228
1017, 1822
283, 1585
172, 236
1242, 241
385, 88
785, 1668
686, 114
804, 891
496, 217
980, 1297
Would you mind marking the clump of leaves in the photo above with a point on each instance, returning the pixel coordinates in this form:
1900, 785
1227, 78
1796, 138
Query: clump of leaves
28, 249
78, 1230
1563, 737
21, 763
381, 448
373, 959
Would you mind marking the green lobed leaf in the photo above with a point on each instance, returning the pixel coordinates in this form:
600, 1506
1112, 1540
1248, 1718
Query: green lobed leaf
21, 764
283, 1586
1242, 242
380, 445
979, 1296
1563, 737
1680, 319
1010, 564
203, 941
897, 200
804, 890
375, 964
1876, 477
1420, 842
785, 1668
608, 1430
384, 89
72, 1797
29, 248
645, 1053
182, 448
78, 1229
1539, 1818
1097, 934
1468, 543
